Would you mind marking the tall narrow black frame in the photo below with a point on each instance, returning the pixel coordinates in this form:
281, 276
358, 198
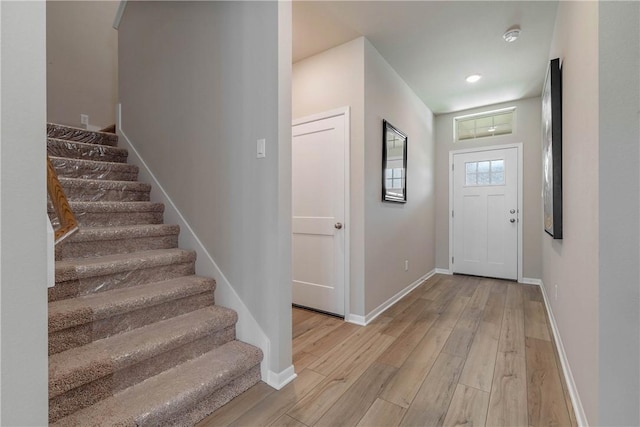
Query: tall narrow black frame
552, 150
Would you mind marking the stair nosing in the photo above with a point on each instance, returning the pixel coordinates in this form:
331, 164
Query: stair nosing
82, 365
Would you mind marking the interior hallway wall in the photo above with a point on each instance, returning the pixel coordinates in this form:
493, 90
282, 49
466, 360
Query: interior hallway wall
619, 234
527, 132
199, 84
23, 218
82, 62
571, 264
396, 232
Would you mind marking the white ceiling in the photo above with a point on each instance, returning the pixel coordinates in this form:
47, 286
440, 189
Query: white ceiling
434, 45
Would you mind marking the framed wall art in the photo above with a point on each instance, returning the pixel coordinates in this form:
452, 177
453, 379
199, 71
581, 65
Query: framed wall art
552, 149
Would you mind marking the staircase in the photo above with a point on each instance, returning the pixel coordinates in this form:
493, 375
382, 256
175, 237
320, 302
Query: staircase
134, 335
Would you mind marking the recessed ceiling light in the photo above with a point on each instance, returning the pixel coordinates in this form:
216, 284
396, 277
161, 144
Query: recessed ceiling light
473, 78
511, 34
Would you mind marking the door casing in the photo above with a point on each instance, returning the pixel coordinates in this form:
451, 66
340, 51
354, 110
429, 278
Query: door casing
522, 215
343, 111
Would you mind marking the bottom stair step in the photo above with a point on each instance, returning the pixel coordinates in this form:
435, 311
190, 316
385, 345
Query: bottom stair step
182, 395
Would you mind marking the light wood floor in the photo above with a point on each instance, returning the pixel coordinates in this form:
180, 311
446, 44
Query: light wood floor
456, 351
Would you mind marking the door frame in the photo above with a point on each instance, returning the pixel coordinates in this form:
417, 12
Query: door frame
518, 147
342, 111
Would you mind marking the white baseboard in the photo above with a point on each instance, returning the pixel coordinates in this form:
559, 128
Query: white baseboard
581, 417
279, 380
365, 320
531, 281
443, 271
356, 319
247, 328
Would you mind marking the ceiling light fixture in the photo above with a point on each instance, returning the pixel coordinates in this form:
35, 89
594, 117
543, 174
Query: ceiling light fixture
512, 34
473, 78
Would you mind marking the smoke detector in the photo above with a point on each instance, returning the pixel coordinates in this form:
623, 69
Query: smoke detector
512, 34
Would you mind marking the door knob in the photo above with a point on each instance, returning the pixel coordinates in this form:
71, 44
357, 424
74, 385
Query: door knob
512, 220
338, 225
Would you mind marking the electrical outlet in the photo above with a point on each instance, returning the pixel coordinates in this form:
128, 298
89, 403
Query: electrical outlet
84, 119
406, 265
556, 291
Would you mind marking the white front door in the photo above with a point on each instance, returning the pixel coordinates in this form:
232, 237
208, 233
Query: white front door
485, 213
318, 183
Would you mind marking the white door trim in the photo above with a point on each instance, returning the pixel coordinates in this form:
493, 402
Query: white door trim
343, 111
522, 215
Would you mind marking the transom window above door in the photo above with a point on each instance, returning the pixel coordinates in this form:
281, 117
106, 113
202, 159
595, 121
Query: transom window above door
488, 172
482, 125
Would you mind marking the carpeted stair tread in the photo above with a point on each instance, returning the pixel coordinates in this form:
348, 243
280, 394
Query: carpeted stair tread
81, 189
83, 268
94, 234
100, 241
93, 169
89, 308
114, 213
81, 150
79, 207
71, 133
81, 365
171, 393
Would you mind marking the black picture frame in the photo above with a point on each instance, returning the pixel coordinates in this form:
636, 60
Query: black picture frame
394, 164
552, 150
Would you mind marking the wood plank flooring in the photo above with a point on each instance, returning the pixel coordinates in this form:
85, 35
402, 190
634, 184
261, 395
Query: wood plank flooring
456, 351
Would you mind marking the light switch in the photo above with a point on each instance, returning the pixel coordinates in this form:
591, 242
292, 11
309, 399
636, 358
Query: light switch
261, 148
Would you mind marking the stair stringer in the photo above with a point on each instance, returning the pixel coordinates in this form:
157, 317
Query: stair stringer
247, 328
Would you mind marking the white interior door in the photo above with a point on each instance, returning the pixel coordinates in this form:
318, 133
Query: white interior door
318, 183
485, 213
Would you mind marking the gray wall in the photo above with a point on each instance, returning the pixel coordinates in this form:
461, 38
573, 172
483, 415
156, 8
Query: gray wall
396, 232
571, 264
619, 304
383, 235
82, 62
527, 131
199, 85
23, 232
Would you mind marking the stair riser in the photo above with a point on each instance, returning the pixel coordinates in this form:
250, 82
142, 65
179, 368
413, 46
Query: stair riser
80, 135
69, 168
71, 249
102, 195
193, 414
84, 334
110, 219
90, 393
75, 150
77, 287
